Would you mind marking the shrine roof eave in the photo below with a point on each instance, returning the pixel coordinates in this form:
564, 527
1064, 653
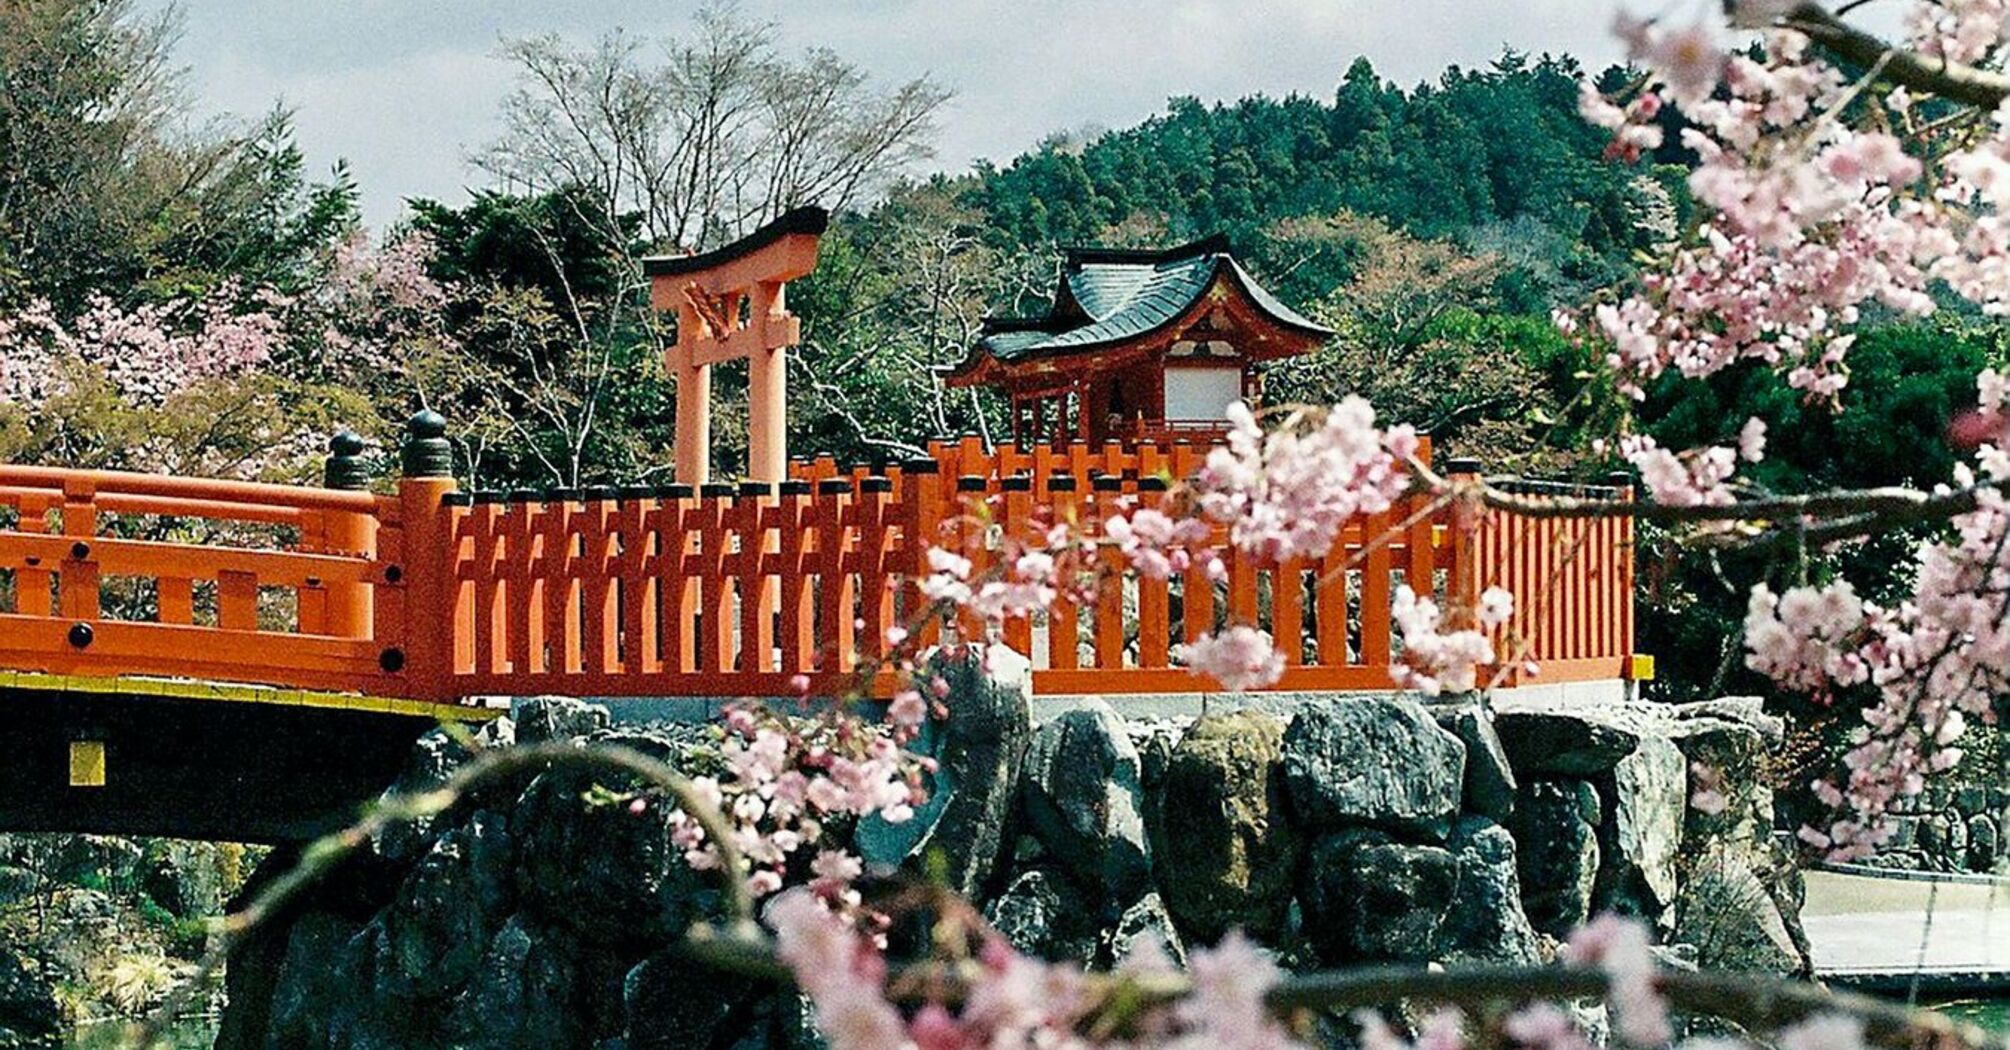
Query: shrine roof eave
1017, 350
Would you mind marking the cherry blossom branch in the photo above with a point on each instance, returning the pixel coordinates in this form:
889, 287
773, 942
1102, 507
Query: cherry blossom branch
1760, 1003
1893, 504
1950, 80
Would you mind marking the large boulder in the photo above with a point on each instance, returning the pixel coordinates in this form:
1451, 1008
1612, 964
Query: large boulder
1370, 898
427, 943
608, 876
673, 1003
1226, 858
1645, 796
1563, 742
1735, 755
1486, 922
1749, 711
1372, 760
1555, 830
979, 750
541, 719
436, 756
1489, 780
1083, 799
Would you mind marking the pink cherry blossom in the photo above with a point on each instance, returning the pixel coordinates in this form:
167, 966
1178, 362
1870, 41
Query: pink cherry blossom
1240, 658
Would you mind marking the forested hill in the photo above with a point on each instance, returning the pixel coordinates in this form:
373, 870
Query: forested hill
1433, 226
1469, 156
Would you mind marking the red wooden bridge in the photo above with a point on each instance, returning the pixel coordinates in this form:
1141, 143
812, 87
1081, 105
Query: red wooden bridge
221, 658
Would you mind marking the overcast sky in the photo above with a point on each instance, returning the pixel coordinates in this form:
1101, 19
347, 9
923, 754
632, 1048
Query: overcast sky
405, 89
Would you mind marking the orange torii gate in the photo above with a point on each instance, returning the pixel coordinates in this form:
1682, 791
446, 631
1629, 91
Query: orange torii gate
730, 304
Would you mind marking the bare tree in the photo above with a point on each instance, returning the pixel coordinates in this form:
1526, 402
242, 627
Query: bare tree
720, 135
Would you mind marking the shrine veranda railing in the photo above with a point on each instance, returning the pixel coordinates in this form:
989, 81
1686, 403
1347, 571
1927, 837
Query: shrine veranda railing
729, 590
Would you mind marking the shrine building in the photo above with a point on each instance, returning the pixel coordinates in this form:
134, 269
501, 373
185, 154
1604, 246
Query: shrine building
1138, 346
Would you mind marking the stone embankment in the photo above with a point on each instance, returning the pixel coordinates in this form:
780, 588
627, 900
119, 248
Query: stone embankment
1351, 831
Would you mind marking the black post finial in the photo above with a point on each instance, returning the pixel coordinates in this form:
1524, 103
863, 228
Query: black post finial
345, 468
426, 453
1462, 465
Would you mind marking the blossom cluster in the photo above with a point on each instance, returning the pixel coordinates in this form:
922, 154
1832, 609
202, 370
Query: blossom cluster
1287, 492
150, 353
784, 779
1936, 661
1013, 1000
1436, 660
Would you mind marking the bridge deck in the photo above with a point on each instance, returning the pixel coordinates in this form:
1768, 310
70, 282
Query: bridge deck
13, 683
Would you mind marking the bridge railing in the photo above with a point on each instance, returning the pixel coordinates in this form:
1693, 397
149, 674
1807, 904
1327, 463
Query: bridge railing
103, 572
430, 593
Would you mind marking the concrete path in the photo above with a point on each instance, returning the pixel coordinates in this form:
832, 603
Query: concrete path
1864, 926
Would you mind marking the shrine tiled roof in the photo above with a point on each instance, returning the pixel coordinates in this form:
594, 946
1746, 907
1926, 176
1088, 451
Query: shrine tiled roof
1109, 296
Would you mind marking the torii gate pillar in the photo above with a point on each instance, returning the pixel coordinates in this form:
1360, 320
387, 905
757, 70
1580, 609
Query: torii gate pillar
731, 303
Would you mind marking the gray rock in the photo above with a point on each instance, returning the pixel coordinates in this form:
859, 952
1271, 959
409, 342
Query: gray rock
1955, 856
310, 997
1557, 852
1083, 798
671, 1003
525, 993
1747, 710
1489, 781
427, 943
1486, 922
1372, 760
1727, 912
571, 850
1646, 797
540, 719
1145, 922
435, 756
1043, 914
30, 1014
979, 751
1563, 742
1985, 843
1227, 858
1737, 754
1369, 898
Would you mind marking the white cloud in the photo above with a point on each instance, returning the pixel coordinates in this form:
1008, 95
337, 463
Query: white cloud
404, 88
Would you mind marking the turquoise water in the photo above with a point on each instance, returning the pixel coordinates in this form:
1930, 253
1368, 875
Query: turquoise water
1992, 1014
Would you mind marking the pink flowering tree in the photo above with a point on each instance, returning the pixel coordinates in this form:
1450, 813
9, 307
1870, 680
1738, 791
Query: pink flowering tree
1839, 172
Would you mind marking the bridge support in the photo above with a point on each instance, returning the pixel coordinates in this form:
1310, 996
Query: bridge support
236, 764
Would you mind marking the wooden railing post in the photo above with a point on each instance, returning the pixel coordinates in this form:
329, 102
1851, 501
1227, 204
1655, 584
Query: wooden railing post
346, 610
435, 620
77, 582
923, 505
1620, 589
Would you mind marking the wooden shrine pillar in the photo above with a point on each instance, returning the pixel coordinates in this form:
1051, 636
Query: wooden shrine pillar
731, 304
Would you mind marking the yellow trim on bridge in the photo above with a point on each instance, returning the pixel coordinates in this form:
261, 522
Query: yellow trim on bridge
183, 689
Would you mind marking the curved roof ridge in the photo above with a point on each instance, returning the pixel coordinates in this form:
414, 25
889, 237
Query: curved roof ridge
1077, 256
807, 219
